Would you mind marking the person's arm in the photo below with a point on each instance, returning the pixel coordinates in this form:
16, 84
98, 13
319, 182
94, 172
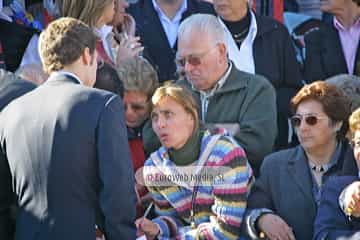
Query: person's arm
230, 192
168, 220
117, 195
258, 122
331, 223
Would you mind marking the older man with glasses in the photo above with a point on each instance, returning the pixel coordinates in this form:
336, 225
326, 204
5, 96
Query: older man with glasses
242, 103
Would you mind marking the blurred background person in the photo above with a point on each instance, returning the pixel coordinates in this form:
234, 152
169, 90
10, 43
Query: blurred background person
283, 201
333, 48
33, 73
350, 84
207, 210
157, 23
108, 79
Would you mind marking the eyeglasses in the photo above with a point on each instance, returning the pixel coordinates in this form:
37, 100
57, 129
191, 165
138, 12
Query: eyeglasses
310, 119
136, 107
193, 59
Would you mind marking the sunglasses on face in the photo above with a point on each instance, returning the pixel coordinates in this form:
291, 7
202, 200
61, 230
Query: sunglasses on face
310, 120
192, 59
135, 106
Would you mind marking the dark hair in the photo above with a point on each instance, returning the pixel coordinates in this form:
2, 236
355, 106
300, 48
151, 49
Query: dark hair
335, 103
108, 79
357, 2
63, 42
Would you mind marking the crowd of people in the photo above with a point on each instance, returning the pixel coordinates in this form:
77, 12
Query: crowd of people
179, 119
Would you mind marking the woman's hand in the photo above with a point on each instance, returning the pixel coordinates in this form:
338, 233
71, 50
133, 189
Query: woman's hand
275, 228
150, 229
128, 25
129, 47
352, 199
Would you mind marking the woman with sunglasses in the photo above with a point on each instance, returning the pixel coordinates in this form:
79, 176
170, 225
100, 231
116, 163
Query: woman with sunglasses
198, 177
283, 202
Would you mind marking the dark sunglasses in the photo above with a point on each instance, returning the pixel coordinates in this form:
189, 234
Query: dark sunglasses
310, 120
193, 59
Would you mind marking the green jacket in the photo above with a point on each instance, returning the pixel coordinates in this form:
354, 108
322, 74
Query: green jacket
246, 100
250, 101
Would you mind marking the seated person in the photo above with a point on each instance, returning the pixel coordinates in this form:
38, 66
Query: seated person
283, 201
187, 210
334, 49
333, 222
350, 84
140, 81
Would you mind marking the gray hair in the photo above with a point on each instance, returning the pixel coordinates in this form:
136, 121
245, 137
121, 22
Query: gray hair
350, 84
33, 73
203, 23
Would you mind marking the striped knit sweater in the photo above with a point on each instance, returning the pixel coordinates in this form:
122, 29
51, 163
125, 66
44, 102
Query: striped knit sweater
219, 206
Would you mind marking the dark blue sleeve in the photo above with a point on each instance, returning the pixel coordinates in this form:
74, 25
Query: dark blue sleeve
117, 196
331, 222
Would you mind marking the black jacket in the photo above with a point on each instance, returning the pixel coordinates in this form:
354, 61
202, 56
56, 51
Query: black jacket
324, 55
274, 58
153, 37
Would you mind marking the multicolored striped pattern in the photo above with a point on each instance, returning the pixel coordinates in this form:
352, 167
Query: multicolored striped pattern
219, 208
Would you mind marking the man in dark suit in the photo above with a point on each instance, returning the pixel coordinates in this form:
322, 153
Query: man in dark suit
334, 48
65, 147
156, 24
11, 87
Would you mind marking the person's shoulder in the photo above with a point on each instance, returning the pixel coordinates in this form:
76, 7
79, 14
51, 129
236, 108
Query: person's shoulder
269, 24
319, 33
280, 158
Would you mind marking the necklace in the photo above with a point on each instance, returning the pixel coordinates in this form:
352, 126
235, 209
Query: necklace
239, 37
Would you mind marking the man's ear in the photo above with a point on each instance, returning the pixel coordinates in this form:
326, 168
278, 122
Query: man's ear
86, 56
222, 50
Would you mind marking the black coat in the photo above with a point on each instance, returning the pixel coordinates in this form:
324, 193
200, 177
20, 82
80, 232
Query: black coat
324, 55
274, 58
153, 37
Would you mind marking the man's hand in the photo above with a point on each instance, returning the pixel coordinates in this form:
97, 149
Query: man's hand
275, 228
352, 199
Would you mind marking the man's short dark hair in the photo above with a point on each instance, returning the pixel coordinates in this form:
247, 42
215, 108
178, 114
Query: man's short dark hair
63, 42
357, 2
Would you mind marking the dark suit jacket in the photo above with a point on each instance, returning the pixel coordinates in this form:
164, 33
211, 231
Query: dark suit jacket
324, 55
285, 187
67, 150
153, 37
331, 223
11, 87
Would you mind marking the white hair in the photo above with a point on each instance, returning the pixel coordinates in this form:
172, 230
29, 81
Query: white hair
202, 23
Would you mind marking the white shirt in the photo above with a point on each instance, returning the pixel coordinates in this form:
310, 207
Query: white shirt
205, 95
243, 58
170, 26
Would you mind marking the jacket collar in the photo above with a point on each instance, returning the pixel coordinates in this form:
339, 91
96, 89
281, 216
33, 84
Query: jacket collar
299, 171
62, 76
264, 25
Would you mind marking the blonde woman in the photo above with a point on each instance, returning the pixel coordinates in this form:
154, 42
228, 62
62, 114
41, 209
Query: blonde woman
204, 210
